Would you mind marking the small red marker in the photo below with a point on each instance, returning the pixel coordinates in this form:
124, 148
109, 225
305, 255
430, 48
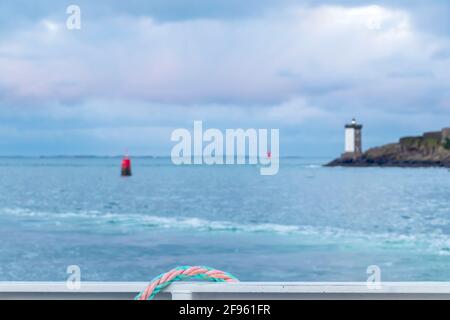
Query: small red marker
269, 154
126, 167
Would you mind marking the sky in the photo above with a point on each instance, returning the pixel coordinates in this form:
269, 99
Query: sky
137, 70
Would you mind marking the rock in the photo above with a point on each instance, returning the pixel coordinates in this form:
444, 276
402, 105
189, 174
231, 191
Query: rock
432, 149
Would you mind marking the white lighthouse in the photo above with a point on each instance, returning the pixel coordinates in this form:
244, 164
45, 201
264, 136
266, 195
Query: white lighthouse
353, 138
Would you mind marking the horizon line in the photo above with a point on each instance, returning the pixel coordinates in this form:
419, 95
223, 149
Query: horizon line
131, 156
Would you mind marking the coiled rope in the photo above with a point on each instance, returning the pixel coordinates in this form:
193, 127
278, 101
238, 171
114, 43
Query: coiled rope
184, 273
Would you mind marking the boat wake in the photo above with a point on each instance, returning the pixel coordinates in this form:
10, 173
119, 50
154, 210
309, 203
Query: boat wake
438, 242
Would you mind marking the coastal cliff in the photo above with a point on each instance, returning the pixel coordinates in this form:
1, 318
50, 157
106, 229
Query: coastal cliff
432, 149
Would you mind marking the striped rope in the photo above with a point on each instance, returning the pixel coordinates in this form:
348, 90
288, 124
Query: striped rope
183, 273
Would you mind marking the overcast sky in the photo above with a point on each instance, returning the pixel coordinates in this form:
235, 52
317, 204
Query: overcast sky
138, 69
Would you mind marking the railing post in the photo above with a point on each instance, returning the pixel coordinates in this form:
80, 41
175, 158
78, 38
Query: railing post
181, 295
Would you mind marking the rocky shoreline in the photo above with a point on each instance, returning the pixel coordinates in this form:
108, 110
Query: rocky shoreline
432, 149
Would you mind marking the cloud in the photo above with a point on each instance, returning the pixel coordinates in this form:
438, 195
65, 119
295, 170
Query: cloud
204, 61
282, 64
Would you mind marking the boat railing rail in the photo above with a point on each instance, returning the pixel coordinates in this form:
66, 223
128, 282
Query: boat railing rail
228, 291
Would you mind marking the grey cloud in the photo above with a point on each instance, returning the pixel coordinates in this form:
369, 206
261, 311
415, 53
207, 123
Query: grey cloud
301, 68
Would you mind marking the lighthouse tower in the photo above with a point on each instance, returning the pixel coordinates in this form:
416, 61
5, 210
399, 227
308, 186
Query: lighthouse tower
353, 139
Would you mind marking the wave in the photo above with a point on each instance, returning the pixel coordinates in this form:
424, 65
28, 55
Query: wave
155, 221
173, 222
313, 166
437, 242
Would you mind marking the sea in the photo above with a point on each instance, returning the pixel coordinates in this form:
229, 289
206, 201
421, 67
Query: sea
307, 223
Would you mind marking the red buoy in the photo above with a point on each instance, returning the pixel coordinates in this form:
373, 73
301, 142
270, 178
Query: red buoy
126, 166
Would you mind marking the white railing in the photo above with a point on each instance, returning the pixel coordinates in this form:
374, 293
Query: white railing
232, 291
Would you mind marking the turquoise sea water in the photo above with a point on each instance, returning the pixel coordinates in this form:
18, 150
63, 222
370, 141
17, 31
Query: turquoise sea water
308, 223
